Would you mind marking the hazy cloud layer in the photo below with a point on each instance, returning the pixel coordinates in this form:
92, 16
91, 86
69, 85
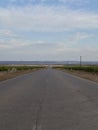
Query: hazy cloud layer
40, 50
43, 18
48, 31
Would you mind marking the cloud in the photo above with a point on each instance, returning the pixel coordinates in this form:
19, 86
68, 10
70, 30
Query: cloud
42, 1
73, 1
77, 37
13, 43
4, 33
38, 22
44, 18
16, 49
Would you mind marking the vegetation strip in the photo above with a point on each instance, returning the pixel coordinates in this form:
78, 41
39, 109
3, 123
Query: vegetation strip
93, 69
15, 68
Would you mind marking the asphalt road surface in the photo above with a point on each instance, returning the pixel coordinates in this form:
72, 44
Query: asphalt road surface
48, 100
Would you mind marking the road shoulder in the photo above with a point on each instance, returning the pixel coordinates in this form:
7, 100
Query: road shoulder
82, 74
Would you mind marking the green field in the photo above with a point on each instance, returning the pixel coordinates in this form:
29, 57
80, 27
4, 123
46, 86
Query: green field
93, 69
18, 68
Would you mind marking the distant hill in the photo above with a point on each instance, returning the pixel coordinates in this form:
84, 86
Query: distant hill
46, 62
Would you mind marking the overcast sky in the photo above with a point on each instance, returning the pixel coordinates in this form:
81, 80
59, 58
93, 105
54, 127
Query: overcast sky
48, 30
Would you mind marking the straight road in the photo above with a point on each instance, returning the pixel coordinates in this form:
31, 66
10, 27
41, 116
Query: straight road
48, 100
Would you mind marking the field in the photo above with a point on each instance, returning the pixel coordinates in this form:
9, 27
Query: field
18, 68
92, 69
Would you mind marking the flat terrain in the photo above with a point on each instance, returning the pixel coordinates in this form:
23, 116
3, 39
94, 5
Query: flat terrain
87, 75
4, 75
48, 100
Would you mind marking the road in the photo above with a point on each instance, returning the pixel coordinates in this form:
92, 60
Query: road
48, 100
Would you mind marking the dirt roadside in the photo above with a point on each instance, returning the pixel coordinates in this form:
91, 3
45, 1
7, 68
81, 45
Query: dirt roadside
9, 75
82, 74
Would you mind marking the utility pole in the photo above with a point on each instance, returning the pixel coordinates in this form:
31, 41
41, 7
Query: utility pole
80, 61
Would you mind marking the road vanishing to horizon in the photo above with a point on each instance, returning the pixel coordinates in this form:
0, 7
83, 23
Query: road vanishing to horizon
48, 99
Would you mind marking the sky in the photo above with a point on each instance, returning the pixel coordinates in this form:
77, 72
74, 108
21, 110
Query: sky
51, 30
